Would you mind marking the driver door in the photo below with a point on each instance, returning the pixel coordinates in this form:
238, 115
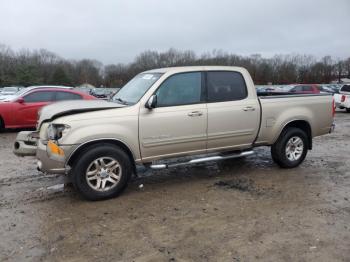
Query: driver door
28, 110
178, 124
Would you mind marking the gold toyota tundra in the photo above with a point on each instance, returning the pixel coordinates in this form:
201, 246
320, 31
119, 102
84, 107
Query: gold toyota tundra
209, 113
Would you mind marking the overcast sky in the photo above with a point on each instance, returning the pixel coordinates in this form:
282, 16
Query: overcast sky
115, 31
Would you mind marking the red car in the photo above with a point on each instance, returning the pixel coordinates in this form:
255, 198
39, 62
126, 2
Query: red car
22, 109
305, 89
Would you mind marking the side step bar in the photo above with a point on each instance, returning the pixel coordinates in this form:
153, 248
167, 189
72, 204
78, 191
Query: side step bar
201, 160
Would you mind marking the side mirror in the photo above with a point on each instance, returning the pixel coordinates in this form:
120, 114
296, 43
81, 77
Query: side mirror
20, 100
152, 102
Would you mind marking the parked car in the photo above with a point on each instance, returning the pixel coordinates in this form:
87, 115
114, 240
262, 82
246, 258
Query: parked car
8, 91
342, 100
83, 89
167, 113
304, 89
21, 110
99, 93
329, 88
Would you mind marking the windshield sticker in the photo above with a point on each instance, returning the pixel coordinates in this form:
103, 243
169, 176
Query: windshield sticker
147, 77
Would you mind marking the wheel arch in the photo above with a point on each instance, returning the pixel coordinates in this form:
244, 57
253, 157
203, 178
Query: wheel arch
74, 155
2, 122
303, 125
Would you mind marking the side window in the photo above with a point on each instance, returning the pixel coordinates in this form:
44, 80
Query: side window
60, 96
39, 96
180, 89
297, 89
307, 88
225, 86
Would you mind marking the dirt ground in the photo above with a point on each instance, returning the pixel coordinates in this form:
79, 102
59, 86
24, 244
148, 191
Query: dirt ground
236, 210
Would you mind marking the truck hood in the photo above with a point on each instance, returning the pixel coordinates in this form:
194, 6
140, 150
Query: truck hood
65, 108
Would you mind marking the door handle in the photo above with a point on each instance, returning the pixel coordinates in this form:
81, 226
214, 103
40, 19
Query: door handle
195, 113
249, 108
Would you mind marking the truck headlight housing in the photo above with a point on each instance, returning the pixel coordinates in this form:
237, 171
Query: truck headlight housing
56, 131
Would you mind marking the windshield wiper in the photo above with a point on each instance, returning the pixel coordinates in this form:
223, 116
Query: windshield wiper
122, 101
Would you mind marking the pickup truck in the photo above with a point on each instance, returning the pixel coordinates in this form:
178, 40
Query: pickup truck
169, 117
342, 100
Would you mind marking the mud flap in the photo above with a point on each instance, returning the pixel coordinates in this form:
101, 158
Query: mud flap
26, 143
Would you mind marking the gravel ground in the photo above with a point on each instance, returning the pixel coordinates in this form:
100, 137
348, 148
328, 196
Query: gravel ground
236, 210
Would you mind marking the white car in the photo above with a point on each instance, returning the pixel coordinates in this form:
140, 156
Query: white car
342, 100
8, 91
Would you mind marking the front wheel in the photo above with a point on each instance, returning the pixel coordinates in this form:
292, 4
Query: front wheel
291, 148
101, 172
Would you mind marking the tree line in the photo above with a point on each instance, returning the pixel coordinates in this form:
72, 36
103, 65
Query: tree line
26, 67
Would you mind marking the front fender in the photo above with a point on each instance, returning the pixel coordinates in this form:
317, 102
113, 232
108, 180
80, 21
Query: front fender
124, 130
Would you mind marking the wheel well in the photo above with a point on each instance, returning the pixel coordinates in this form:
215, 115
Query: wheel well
2, 123
80, 149
303, 125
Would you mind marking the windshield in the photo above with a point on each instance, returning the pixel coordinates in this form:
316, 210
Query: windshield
132, 92
22, 91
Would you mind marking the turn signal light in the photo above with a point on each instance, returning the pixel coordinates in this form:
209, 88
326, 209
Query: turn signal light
54, 148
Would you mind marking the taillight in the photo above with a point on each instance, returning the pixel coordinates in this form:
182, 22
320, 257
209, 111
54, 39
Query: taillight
333, 107
342, 98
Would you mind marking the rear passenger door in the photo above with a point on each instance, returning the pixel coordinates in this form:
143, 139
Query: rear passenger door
233, 112
309, 89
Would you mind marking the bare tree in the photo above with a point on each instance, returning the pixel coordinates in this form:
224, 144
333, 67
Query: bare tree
25, 67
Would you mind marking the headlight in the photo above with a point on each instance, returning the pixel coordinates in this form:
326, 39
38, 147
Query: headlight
55, 131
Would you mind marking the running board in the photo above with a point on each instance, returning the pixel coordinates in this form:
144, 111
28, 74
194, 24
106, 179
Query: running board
201, 160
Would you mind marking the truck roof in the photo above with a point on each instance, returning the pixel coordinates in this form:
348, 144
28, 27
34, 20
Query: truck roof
194, 68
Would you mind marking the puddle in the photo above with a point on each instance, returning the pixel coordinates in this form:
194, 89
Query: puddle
241, 184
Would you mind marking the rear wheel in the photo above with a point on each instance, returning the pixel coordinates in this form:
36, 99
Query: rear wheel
291, 148
101, 172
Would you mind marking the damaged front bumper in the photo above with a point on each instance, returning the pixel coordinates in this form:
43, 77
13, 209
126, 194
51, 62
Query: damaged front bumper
28, 144
49, 164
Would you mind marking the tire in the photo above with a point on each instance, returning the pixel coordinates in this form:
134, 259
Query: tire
107, 179
348, 110
290, 139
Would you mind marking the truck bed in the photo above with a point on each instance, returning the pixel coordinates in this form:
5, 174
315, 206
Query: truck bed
279, 109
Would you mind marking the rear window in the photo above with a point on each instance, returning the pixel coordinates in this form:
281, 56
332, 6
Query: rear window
225, 86
345, 88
